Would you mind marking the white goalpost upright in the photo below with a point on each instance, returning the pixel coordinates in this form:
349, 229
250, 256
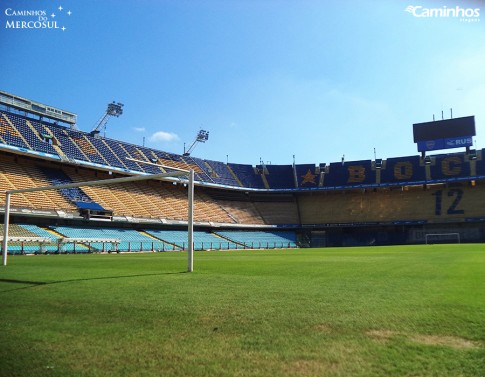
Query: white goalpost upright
104, 182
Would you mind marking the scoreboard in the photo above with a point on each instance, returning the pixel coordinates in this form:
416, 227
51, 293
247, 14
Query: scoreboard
444, 134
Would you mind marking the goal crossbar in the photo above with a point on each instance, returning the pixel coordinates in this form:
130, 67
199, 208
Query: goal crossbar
443, 235
105, 182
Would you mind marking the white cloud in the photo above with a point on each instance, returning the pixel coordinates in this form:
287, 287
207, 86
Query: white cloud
139, 129
164, 136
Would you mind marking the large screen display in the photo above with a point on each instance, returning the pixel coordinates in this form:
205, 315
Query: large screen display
444, 129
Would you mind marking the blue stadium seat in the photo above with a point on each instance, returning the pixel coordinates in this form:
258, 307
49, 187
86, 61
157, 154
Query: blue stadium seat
131, 240
261, 239
54, 248
247, 175
350, 174
34, 139
306, 177
58, 177
450, 167
222, 174
403, 170
280, 176
202, 240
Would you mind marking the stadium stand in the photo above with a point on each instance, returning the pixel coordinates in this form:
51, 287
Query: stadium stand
259, 239
237, 204
21, 243
449, 167
221, 174
131, 240
58, 177
306, 176
403, 171
281, 209
33, 139
480, 165
17, 173
247, 175
396, 200
280, 176
350, 174
52, 247
10, 134
202, 240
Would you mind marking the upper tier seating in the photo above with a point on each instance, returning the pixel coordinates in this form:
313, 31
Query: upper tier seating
306, 177
280, 176
402, 170
247, 176
220, 173
69, 144
32, 137
10, 134
350, 173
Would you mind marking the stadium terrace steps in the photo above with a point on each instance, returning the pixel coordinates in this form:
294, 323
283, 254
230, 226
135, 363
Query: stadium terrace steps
280, 176
142, 240
58, 177
15, 230
11, 134
202, 240
20, 174
52, 247
278, 213
131, 240
221, 174
148, 199
255, 239
234, 176
242, 212
440, 203
247, 175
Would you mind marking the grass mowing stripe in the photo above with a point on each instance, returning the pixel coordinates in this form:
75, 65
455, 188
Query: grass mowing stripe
382, 311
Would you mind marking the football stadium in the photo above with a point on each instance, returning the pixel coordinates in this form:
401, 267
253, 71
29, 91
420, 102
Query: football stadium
347, 268
395, 201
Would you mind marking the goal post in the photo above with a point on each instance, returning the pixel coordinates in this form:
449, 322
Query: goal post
431, 238
104, 182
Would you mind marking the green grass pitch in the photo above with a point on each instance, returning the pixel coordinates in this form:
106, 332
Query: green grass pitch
381, 311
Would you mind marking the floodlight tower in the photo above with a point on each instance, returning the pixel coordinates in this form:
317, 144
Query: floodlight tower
202, 137
115, 109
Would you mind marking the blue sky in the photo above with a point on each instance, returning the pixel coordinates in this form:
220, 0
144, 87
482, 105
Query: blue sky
268, 79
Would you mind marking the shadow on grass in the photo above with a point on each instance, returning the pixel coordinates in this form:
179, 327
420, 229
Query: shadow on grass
31, 284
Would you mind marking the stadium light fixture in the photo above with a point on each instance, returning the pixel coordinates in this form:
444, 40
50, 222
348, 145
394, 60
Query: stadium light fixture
202, 137
114, 109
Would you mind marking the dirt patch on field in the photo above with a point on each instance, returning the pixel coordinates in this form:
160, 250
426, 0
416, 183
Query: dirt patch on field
310, 368
323, 328
448, 341
432, 340
381, 335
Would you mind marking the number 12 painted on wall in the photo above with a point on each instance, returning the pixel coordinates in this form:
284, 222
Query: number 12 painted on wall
458, 193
